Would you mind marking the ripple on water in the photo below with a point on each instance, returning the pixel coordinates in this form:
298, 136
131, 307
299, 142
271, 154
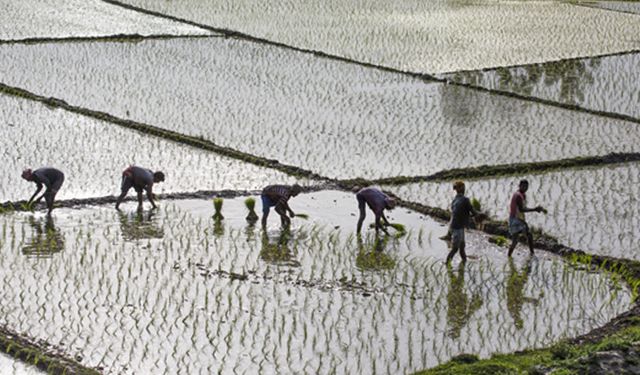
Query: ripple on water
195, 296
93, 154
422, 36
81, 18
607, 84
336, 119
592, 209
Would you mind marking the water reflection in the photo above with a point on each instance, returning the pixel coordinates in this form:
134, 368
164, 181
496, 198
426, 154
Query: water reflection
278, 251
138, 225
372, 254
47, 239
515, 291
568, 79
460, 308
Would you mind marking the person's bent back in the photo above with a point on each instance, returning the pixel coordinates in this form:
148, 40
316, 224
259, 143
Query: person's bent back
140, 179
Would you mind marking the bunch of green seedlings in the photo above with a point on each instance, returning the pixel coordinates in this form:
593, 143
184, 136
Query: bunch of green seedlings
217, 205
250, 203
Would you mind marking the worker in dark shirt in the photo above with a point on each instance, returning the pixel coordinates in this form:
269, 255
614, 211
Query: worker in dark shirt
51, 178
278, 196
140, 179
461, 209
377, 202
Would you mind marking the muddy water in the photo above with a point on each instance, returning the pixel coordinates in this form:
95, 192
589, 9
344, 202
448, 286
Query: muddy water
352, 121
607, 84
9, 365
80, 18
174, 292
93, 154
422, 36
595, 210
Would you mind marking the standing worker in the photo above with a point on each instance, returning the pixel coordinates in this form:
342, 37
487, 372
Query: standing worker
278, 196
461, 209
377, 202
140, 179
51, 178
517, 223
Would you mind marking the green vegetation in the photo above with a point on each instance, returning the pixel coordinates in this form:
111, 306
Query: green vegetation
499, 240
250, 203
217, 205
302, 216
565, 357
475, 203
14, 345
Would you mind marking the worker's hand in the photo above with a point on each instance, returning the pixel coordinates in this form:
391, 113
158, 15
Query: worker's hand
539, 209
292, 214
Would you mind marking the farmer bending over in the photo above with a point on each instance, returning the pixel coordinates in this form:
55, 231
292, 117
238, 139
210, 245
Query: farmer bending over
517, 224
51, 178
140, 179
278, 196
377, 202
460, 210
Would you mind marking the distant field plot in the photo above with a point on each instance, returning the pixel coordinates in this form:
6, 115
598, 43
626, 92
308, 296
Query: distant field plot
93, 154
172, 291
595, 209
80, 18
338, 120
421, 36
607, 84
622, 6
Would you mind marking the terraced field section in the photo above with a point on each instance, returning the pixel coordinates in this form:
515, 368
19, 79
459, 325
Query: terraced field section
30, 19
173, 291
421, 36
336, 119
592, 209
620, 6
606, 84
93, 154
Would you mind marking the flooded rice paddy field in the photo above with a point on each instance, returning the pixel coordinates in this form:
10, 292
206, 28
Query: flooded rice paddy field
353, 121
9, 365
172, 291
620, 6
592, 209
93, 154
421, 36
81, 18
607, 84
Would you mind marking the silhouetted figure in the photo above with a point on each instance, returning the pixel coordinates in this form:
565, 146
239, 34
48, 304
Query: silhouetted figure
377, 202
461, 209
140, 179
51, 178
278, 196
517, 223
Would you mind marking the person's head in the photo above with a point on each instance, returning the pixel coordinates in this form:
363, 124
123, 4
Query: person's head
390, 203
459, 187
27, 174
523, 186
158, 177
295, 190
